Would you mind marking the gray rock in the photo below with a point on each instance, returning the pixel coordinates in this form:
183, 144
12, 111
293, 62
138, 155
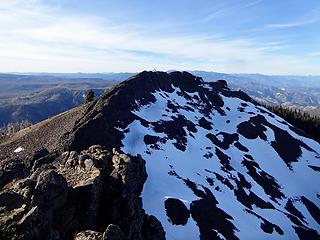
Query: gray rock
54, 201
88, 164
83, 157
64, 157
71, 162
45, 161
130, 173
88, 235
73, 154
50, 191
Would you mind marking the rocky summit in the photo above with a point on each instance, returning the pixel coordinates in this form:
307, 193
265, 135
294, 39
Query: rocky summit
161, 156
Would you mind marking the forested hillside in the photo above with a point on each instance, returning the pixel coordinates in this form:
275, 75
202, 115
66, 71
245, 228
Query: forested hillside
306, 122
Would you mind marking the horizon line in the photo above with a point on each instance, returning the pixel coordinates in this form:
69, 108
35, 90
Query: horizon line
127, 72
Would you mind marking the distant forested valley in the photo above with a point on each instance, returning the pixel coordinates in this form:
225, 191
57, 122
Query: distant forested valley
29, 98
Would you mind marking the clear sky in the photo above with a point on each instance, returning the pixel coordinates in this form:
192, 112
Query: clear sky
254, 36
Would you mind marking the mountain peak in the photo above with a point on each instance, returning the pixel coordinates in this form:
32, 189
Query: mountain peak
154, 80
217, 164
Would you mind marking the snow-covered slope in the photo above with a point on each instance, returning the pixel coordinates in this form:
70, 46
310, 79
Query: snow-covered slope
220, 166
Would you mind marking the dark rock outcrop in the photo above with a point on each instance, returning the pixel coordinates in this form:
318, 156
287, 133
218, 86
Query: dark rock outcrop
66, 196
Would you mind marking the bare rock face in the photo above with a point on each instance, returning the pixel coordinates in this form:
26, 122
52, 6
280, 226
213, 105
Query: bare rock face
129, 175
64, 197
31, 207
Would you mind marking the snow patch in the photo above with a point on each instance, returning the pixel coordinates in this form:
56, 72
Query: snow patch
164, 162
19, 149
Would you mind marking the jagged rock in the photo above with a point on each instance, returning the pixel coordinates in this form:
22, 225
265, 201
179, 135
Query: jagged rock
129, 175
44, 162
71, 162
29, 216
64, 157
113, 232
88, 235
54, 201
73, 154
125, 168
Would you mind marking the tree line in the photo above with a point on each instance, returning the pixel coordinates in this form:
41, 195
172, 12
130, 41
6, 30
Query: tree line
302, 120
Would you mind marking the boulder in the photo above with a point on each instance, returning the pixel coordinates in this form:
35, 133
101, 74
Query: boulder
10, 170
51, 190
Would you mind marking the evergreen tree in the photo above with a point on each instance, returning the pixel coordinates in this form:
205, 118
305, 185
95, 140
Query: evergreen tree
89, 96
302, 120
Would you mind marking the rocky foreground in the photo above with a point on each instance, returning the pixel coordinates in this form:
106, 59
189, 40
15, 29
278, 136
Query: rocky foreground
66, 195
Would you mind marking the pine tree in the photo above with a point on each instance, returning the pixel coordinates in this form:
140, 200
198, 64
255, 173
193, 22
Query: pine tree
89, 96
302, 120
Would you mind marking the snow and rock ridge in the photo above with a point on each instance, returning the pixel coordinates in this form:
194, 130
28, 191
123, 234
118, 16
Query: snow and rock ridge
223, 167
218, 165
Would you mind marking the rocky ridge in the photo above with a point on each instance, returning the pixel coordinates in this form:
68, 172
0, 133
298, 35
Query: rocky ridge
193, 160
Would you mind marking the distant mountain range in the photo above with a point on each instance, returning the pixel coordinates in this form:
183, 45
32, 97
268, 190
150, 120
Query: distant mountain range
299, 92
37, 96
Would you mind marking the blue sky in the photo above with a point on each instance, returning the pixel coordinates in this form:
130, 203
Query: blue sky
253, 36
